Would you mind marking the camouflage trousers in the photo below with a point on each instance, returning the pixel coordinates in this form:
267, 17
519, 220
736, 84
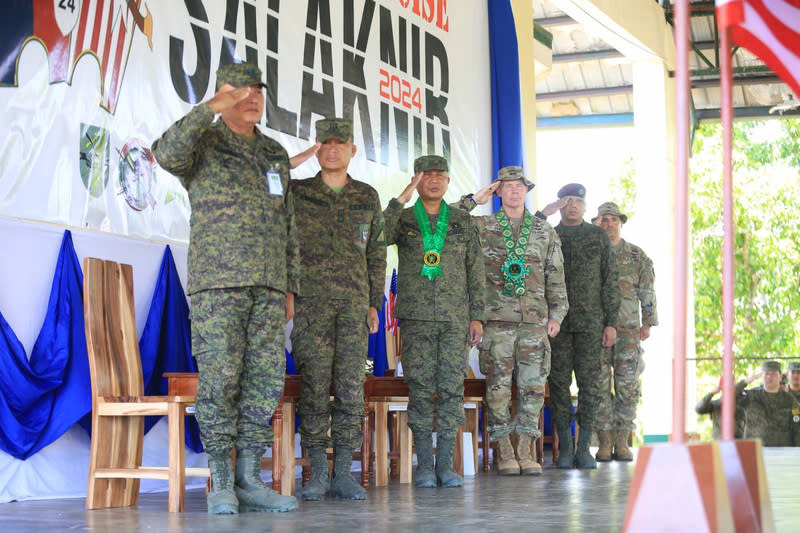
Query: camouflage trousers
238, 340
620, 367
577, 351
329, 344
510, 348
435, 361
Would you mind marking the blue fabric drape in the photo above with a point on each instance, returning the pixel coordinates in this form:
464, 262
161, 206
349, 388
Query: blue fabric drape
377, 345
165, 345
43, 397
507, 146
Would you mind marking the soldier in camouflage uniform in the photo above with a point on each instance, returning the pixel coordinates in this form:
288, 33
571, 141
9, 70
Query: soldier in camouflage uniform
708, 406
771, 414
343, 267
526, 300
590, 271
622, 363
243, 260
793, 375
440, 297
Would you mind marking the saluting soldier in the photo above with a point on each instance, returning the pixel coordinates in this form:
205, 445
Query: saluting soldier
590, 272
526, 300
243, 261
343, 268
440, 304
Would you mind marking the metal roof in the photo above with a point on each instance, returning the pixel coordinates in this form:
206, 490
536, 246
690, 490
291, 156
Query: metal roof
592, 80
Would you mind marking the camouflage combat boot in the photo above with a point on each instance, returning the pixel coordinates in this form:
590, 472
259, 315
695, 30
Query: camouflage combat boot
445, 475
604, 452
320, 482
343, 485
527, 461
425, 477
253, 494
566, 448
583, 457
621, 450
507, 464
221, 499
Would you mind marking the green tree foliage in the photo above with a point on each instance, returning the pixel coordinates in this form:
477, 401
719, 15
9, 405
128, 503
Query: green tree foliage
623, 188
767, 245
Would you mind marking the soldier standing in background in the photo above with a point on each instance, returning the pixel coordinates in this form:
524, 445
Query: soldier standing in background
708, 406
243, 261
622, 363
590, 272
440, 304
771, 414
793, 381
526, 300
343, 268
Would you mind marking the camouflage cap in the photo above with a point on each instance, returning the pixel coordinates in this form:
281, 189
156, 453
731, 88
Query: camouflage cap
610, 208
770, 366
572, 189
794, 366
513, 174
430, 162
334, 128
239, 75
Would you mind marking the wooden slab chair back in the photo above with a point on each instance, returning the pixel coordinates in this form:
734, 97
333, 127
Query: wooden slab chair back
118, 401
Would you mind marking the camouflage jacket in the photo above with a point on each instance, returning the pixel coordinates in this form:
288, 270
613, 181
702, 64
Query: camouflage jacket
546, 296
241, 234
772, 417
342, 248
795, 393
636, 279
708, 406
458, 295
590, 271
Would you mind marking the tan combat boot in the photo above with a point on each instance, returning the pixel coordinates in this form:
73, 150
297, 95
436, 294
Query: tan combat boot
507, 464
604, 452
621, 450
527, 460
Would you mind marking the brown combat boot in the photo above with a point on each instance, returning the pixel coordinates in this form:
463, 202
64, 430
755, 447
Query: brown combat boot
621, 450
604, 452
527, 459
507, 464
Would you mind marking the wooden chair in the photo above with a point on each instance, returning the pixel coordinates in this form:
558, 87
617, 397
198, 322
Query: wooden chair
118, 401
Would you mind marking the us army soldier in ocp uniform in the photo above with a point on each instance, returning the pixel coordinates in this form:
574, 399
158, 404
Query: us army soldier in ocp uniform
622, 363
526, 300
771, 414
440, 297
243, 260
590, 272
343, 259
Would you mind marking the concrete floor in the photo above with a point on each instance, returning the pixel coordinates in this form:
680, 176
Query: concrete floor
560, 500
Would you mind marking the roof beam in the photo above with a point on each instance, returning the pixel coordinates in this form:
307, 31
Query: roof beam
586, 121
712, 115
585, 93
744, 80
549, 22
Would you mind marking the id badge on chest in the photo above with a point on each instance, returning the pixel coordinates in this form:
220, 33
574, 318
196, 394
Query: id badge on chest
274, 182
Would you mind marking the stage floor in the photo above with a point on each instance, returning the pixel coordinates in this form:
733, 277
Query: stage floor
559, 500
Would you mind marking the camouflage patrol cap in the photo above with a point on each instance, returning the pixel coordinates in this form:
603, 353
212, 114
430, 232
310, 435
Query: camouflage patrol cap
610, 208
770, 366
572, 189
430, 162
334, 128
239, 75
794, 366
512, 174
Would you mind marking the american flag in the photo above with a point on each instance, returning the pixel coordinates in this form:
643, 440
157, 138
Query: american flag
391, 321
768, 28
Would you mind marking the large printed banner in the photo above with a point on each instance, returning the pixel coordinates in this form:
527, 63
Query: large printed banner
87, 85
